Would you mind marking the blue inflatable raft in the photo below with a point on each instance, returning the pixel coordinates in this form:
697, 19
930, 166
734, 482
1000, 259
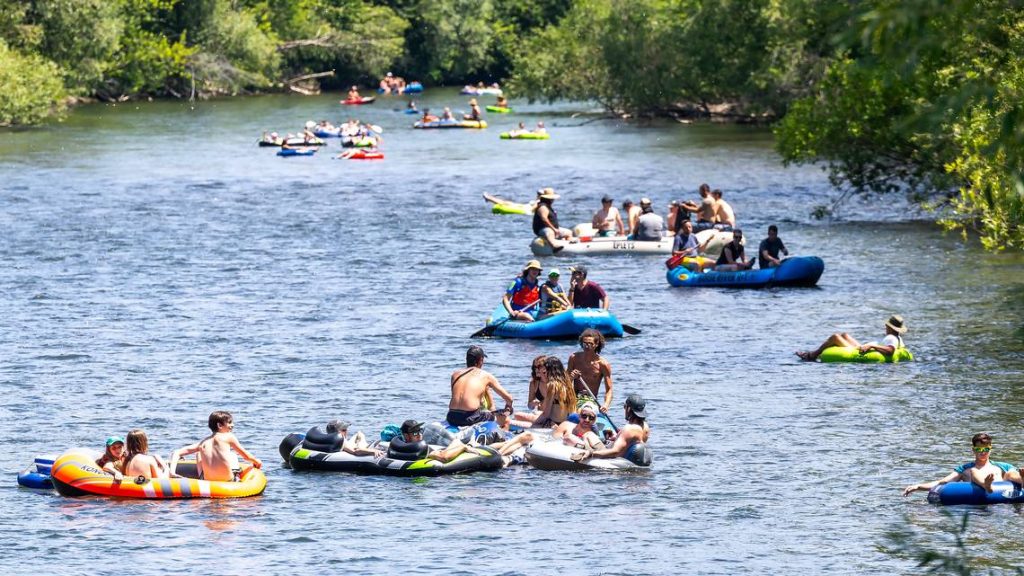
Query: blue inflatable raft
410, 88
797, 271
564, 326
37, 476
970, 493
296, 152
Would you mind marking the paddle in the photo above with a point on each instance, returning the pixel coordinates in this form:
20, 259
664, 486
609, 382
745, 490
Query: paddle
490, 328
376, 128
630, 330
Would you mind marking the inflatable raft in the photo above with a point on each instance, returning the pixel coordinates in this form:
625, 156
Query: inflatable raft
410, 88
955, 493
798, 271
555, 455
401, 458
358, 101
590, 243
296, 152
498, 109
75, 474
851, 354
470, 91
37, 476
566, 325
443, 124
525, 136
291, 142
362, 154
511, 208
357, 142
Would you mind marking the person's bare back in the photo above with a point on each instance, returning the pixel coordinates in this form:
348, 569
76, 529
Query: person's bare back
469, 385
217, 460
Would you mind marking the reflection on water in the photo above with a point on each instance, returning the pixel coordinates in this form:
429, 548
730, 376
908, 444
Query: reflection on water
156, 265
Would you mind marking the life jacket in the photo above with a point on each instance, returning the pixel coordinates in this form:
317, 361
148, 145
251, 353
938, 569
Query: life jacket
548, 304
526, 294
538, 223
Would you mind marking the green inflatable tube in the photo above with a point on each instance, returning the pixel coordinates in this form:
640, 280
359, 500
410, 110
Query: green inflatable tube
851, 354
525, 136
499, 109
511, 209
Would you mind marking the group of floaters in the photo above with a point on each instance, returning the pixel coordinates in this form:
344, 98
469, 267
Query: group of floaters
365, 139
562, 410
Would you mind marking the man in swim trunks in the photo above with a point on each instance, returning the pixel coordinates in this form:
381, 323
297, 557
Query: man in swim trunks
607, 220
584, 293
726, 219
469, 387
632, 214
631, 441
216, 461
588, 369
707, 211
982, 471
895, 328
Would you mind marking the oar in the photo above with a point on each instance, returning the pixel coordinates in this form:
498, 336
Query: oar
630, 330
490, 328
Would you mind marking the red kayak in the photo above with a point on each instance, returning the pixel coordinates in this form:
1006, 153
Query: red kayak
358, 101
361, 154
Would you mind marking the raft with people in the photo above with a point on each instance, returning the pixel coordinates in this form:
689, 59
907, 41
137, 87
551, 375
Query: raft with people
359, 141
481, 91
834, 354
589, 243
553, 454
361, 154
524, 136
358, 101
294, 141
448, 124
561, 326
75, 473
795, 271
502, 206
498, 109
410, 88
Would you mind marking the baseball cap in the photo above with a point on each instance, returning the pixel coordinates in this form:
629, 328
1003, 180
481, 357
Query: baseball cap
411, 427
114, 440
637, 405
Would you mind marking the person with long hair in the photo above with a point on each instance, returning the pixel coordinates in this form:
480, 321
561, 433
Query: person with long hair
561, 397
588, 369
535, 397
112, 461
138, 461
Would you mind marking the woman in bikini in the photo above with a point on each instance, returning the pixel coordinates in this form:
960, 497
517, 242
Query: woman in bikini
538, 391
561, 397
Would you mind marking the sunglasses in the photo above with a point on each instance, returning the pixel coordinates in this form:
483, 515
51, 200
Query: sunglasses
589, 417
981, 449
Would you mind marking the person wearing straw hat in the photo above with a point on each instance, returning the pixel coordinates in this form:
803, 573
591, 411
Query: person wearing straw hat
895, 328
523, 294
474, 111
545, 220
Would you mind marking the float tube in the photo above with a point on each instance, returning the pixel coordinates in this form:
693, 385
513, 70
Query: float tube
498, 109
469, 91
291, 142
555, 455
358, 101
524, 136
362, 154
954, 493
563, 326
37, 476
439, 124
296, 152
410, 88
797, 271
75, 474
851, 354
366, 142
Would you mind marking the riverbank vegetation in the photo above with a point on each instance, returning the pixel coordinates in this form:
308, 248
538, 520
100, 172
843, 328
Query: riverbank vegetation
918, 97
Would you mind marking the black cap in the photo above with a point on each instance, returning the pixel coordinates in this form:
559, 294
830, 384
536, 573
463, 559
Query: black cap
411, 427
474, 354
606, 198
637, 405
582, 270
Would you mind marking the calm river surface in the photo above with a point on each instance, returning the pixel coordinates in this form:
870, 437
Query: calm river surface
156, 265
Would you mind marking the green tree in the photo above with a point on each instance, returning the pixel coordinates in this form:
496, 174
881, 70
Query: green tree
30, 87
81, 36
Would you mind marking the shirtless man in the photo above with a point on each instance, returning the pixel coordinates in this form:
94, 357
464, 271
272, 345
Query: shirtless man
469, 388
982, 471
631, 441
580, 434
707, 211
724, 211
587, 368
216, 461
607, 220
632, 215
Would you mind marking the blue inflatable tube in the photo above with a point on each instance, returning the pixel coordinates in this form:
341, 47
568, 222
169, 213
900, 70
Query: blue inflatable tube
294, 152
327, 133
955, 493
797, 271
410, 88
565, 326
37, 476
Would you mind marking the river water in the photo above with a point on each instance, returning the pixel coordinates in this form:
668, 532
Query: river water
156, 265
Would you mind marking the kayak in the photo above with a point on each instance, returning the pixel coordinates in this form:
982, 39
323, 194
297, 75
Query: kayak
603, 245
75, 474
563, 326
358, 101
852, 354
498, 109
451, 124
400, 459
525, 136
361, 154
953, 493
37, 476
470, 91
296, 151
796, 271
291, 142
555, 455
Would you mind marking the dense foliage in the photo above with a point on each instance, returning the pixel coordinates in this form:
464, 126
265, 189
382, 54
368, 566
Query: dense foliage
921, 97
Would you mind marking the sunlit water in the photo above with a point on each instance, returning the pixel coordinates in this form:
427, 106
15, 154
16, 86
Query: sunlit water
156, 265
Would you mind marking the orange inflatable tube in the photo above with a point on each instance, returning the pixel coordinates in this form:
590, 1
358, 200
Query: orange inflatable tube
75, 473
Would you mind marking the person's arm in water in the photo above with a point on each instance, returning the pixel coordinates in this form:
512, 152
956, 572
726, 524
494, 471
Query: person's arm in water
952, 476
237, 447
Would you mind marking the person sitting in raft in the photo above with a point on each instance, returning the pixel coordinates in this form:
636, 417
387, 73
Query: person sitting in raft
581, 434
770, 248
725, 219
707, 210
447, 114
215, 460
588, 369
631, 441
540, 129
412, 433
685, 246
357, 445
524, 293
112, 461
982, 471
561, 397
502, 102
272, 138
649, 226
428, 117
733, 258
519, 130
353, 93
411, 105
469, 388
632, 215
474, 111
545, 221
138, 461
536, 393
552, 296
584, 293
895, 328
607, 220
513, 443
